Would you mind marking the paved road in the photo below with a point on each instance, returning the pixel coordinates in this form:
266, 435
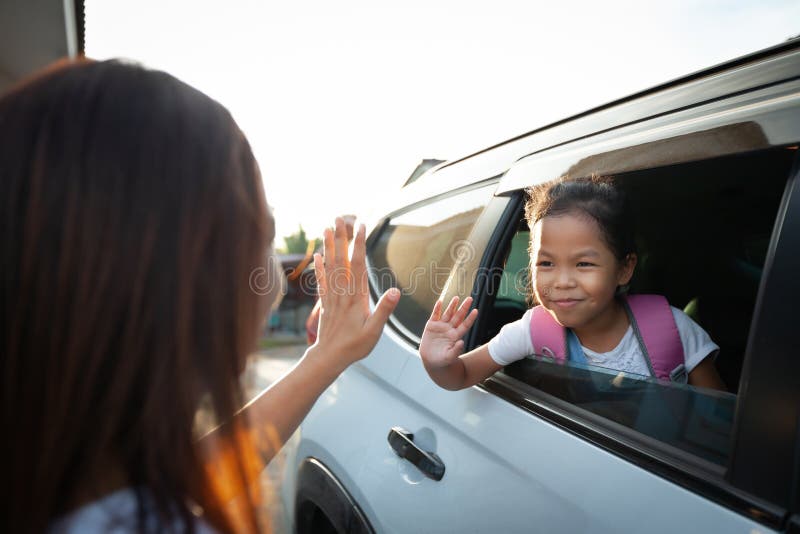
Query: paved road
267, 366
262, 370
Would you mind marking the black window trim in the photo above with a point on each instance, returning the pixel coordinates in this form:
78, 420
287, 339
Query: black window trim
681, 468
507, 226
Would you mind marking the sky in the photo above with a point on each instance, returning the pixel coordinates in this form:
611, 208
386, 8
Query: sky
341, 100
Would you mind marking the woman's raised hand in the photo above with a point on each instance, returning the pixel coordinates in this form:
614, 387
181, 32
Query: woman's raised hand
347, 332
441, 343
347, 329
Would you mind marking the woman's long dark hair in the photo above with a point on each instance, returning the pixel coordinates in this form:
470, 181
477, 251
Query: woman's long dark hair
131, 216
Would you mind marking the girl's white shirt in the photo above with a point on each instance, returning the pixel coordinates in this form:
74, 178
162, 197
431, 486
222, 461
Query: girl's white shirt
513, 343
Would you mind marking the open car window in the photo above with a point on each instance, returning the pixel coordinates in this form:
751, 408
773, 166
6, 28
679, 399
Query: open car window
703, 230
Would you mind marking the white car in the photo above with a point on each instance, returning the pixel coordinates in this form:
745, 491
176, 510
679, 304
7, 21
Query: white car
711, 163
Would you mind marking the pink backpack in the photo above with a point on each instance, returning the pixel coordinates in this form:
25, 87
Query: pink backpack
653, 325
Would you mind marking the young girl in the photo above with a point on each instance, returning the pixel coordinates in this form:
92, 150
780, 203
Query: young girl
582, 258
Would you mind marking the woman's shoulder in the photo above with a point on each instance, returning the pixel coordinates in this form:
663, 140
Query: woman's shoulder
116, 513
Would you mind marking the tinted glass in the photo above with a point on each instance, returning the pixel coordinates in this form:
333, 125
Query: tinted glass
515, 280
696, 420
416, 252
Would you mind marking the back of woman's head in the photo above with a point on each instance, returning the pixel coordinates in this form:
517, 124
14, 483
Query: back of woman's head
132, 215
597, 198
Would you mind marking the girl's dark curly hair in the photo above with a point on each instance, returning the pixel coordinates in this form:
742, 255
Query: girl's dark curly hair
595, 197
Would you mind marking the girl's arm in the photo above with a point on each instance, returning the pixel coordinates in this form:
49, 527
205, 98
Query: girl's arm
705, 375
347, 333
441, 348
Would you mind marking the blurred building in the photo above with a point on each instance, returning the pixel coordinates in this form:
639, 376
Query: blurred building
290, 317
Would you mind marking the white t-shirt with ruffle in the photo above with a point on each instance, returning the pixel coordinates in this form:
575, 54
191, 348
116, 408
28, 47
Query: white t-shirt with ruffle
513, 343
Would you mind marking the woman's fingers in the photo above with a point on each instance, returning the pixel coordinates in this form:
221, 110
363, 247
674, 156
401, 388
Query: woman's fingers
329, 250
331, 274
340, 239
319, 273
451, 308
358, 263
358, 266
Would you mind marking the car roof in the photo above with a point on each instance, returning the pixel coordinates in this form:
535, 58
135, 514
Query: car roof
759, 69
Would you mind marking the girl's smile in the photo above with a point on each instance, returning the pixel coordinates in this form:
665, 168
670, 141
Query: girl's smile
565, 303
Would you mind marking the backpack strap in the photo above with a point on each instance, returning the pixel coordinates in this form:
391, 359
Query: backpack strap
547, 336
653, 324
657, 332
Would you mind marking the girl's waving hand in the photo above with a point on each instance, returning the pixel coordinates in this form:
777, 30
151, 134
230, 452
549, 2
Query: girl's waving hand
441, 347
441, 342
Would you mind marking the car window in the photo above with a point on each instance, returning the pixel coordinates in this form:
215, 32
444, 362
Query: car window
702, 234
416, 251
694, 420
514, 281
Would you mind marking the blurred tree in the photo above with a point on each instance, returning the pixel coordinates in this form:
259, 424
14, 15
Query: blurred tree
297, 243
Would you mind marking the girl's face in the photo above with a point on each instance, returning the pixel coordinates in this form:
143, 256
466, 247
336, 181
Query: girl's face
575, 274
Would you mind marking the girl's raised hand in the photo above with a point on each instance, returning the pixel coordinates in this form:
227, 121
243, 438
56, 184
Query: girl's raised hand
441, 342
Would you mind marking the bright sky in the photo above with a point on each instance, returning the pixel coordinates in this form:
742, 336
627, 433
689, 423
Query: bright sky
341, 100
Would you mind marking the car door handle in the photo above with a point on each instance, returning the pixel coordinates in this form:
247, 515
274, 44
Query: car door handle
402, 442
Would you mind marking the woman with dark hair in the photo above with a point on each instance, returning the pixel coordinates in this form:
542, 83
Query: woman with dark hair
133, 221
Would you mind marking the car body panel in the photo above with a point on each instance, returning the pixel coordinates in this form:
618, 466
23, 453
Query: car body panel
386, 361
340, 429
